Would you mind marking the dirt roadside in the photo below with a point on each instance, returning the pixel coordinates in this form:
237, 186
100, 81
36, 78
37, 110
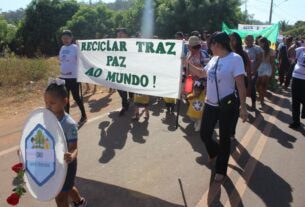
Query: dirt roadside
14, 113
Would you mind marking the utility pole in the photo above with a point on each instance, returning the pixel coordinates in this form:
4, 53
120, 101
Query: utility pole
271, 11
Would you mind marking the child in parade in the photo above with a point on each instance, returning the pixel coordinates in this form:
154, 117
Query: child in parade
140, 101
196, 104
56, 98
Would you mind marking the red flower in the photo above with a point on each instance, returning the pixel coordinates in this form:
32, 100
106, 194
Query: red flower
13, 199
18, 167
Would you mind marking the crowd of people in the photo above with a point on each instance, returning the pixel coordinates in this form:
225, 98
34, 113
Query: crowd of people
219, 72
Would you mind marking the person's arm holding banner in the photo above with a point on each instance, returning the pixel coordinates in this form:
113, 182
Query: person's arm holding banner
196, 71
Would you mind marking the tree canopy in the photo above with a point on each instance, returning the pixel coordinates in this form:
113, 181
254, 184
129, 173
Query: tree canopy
38, 31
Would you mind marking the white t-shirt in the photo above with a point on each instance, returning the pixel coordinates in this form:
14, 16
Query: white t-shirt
299, 69
228, 68
68, 61
253, 52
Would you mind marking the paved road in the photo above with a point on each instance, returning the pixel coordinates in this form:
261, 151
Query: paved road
139, 164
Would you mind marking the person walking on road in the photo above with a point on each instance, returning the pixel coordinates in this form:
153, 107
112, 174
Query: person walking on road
236, 46
297, 88
223, 71
122, 33
255, 54
284, 62
68, 72
266, 69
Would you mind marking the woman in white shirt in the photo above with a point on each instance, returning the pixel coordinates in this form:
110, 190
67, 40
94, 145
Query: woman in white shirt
297, 88
68, 72
227, 68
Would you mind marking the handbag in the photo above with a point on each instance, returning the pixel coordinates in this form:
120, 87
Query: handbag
227, 102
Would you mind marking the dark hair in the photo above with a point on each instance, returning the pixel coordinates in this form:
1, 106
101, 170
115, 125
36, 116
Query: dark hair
123, 30
239, 47
289, 39
257, 39
196, 47
179, 34
266, 45
58, 90
67, 32
221, 38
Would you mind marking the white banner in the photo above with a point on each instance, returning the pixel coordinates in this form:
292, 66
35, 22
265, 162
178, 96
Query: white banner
252, 27
143, 66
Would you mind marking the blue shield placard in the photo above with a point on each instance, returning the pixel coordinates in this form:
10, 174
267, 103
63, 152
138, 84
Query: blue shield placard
40, 155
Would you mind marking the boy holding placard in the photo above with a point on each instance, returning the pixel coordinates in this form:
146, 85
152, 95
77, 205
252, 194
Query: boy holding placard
56, 100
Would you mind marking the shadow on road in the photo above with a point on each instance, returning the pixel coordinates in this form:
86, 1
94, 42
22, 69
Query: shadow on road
273, 190
113, 135
98, 105
285, 139
264, 182
139, 130
101, 194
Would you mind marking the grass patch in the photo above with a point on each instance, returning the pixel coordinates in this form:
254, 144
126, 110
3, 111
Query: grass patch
23, 80
18, 72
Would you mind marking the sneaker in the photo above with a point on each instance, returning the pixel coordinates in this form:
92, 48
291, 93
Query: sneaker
294, 125
82, 203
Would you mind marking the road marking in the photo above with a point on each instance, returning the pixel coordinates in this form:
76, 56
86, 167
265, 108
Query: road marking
244, 142
12, 149
16, 147
241, 184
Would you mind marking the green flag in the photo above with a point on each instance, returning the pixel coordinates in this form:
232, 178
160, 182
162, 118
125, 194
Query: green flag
271, 33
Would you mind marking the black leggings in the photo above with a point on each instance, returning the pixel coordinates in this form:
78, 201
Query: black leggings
210, 117
124, 97
298, 98
73, 86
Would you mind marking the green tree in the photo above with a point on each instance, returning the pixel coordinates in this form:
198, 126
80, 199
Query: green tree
13, 17
298, 30
91, 22
7, 34
43, 18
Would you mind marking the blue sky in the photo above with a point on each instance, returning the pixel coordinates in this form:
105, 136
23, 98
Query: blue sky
289, 10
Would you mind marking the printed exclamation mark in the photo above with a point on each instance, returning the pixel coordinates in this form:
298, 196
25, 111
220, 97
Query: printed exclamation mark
154, 81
